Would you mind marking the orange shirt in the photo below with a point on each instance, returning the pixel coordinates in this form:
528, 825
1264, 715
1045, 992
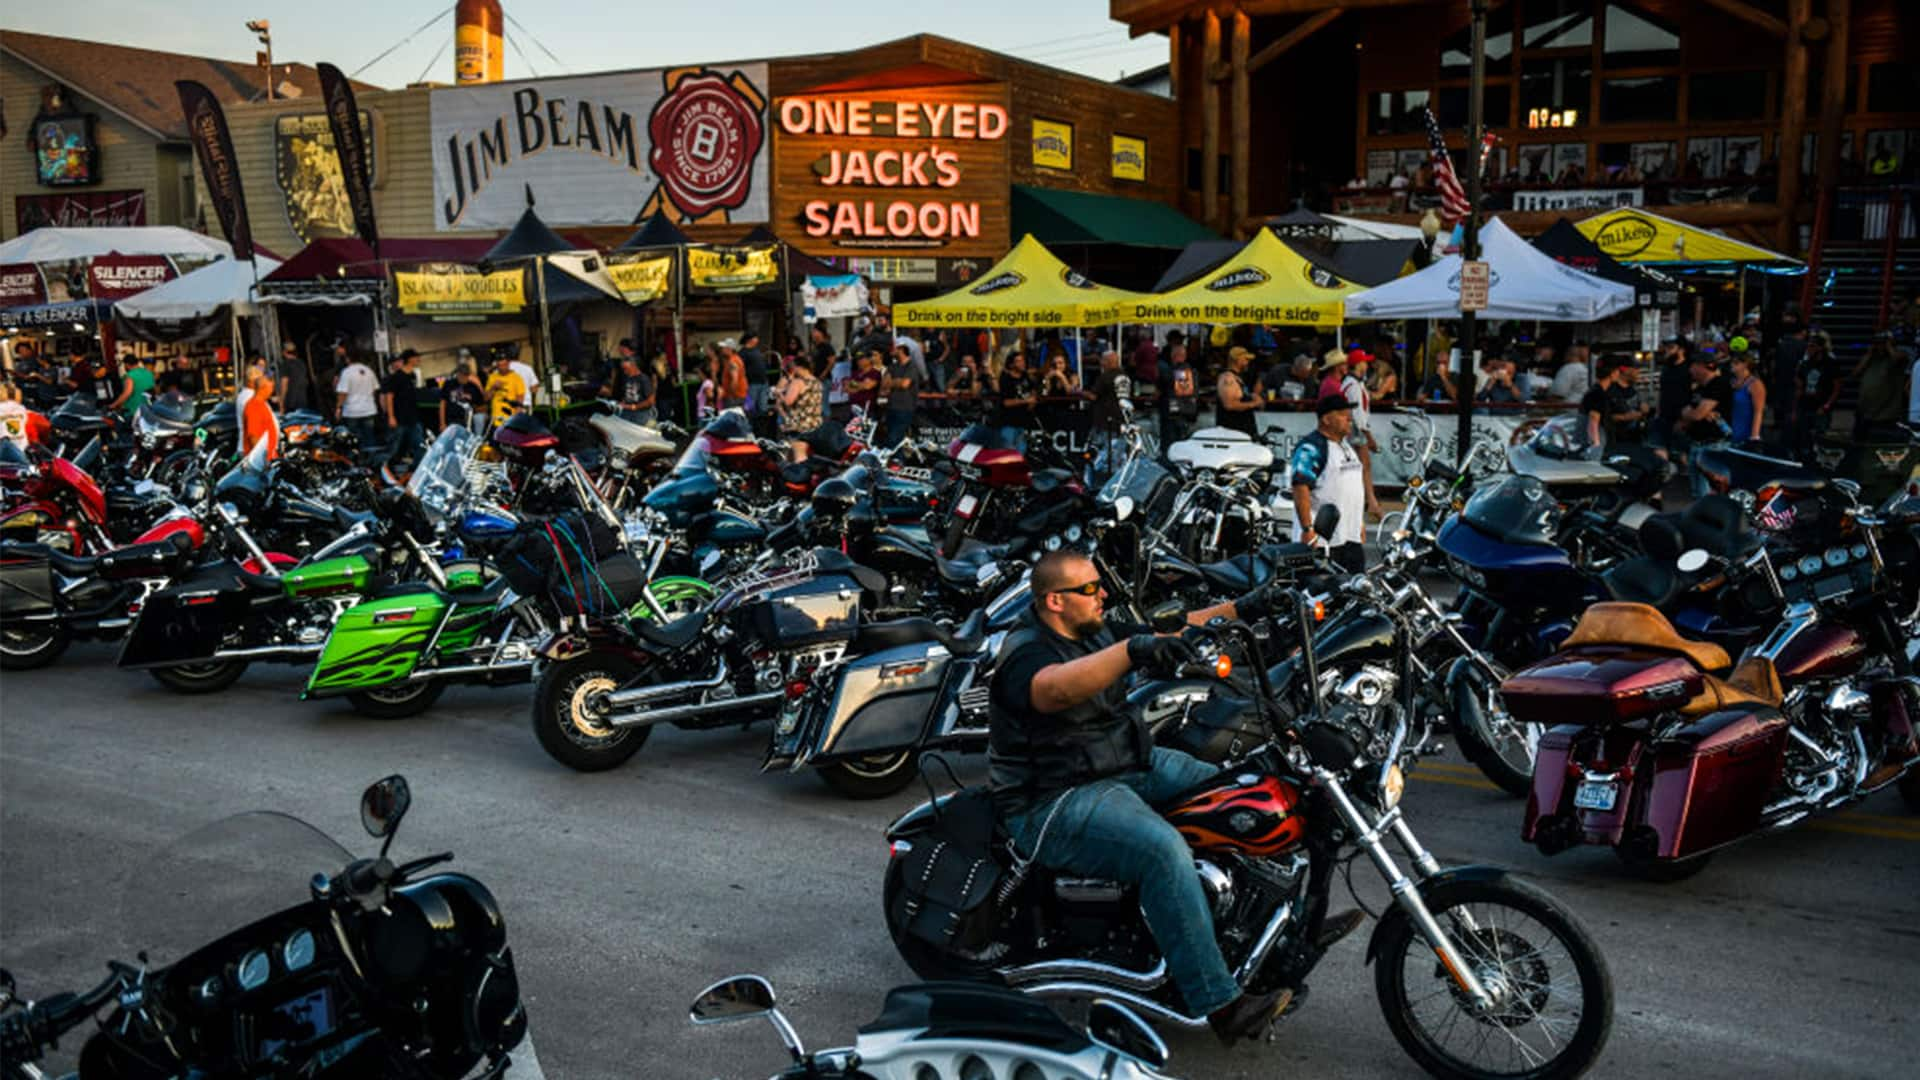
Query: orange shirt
259, 424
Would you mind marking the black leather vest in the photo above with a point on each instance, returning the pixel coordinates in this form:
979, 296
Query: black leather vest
1032, 756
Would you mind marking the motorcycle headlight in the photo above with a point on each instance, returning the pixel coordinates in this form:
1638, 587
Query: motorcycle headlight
1052, 543
1392, 786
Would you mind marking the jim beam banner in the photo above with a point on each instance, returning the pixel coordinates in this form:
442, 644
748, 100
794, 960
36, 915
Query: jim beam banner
450, 291
603, 149
207, 130
352, 150
1052, 144
1129, 158
734, 269
640, 277
312, 186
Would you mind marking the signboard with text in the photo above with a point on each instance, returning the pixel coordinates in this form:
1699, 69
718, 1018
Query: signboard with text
448, 291
1475, 280
913, 171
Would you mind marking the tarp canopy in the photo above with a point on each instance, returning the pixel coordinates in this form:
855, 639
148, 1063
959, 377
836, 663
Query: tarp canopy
657, 231
529, 237
1302, 223
1195, 259
1265, 282
49, 244
336, 258
1565, 244
1633, 235
1524, 283
1029, 286
1363, 262
1054, 216
201, 293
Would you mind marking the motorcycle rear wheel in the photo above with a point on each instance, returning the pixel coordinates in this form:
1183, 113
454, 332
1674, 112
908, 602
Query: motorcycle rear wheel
875, 776
566, 732
927, 961
208, 678
1503, 752
24, 650
397, 702
1515, 930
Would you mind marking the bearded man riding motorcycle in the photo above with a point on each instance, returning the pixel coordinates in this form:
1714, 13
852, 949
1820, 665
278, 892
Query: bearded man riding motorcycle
1075, 773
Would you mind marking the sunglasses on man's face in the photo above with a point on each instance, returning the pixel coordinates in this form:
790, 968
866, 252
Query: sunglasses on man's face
1091, 588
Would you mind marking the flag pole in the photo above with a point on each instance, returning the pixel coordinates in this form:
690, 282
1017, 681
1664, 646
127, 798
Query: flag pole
1470, 241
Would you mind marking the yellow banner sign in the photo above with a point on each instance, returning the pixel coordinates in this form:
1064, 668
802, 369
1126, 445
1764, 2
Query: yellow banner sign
1129, 158
451, 289
641, 278
732, 269
1052, 144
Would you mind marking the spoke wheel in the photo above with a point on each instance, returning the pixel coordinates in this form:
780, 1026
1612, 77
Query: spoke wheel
1552, 996
1502, 746
569, 728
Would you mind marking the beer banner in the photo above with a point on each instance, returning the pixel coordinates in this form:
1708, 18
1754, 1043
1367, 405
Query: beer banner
640, 277
116, 277
349, 142
21, 286
452, 291
734, 269
207, 128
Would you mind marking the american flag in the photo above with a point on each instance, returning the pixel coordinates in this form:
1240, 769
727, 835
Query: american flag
1778, 514
1453, 199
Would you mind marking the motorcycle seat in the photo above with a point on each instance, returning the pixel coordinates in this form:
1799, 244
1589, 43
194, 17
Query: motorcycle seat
488, 593
1642, 625
1642, 580
264, 584
1718, 525
1047, 481
1236, 575
674, 635
964, 568
874, 637
61, 562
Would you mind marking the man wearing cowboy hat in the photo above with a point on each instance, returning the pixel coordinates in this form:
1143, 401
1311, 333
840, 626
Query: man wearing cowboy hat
1333, 372
1325, 470
1236, 400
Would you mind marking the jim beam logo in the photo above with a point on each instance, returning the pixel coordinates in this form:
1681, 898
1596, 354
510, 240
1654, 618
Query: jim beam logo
998, 282
1626, 236
1323, 278
1243, 278
1075, 279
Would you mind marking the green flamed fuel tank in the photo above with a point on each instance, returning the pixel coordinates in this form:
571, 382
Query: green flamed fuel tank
343, 574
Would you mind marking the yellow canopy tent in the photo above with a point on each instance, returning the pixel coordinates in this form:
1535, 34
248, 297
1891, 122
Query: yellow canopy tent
1633, 235
1265, 282
1029, 286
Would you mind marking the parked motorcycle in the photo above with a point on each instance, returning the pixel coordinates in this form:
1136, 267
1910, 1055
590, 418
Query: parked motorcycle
997, 472
1477, 973
385, 970
989, 1031
49, 599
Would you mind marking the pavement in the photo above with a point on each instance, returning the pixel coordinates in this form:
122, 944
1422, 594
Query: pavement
626, 892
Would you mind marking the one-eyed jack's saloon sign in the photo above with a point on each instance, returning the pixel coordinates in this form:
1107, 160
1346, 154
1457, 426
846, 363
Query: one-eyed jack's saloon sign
921, 168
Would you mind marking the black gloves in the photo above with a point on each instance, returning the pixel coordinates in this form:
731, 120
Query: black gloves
1261, 602
1159, 656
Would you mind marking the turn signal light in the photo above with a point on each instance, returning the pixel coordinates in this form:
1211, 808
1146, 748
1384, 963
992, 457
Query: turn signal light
797, 688
1319, 611
1223, 665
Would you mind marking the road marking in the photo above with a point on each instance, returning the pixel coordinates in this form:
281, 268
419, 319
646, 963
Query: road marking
1474, 782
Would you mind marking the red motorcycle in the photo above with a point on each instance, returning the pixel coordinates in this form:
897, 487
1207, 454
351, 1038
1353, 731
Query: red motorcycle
1665, 751
994, 477
762, 470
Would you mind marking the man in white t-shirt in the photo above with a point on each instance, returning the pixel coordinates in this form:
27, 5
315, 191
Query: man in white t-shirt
525, 371
1325, 470
355, 396
1572, 381
1354, 388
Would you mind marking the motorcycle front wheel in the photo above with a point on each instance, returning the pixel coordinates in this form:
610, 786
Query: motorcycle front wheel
567, 729
875, 776
1554, 1005
207, 678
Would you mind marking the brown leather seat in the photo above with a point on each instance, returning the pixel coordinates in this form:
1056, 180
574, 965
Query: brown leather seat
1616, 623
1754, 682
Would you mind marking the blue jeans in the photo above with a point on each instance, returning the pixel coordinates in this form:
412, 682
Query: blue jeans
366, 429
1696, 479
898, 422
1109, 829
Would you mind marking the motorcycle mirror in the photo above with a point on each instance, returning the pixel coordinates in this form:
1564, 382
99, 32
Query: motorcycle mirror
739, 998
1325, 520
1115, 1027
1691, 560
1122, 507
1168, 617
382, 806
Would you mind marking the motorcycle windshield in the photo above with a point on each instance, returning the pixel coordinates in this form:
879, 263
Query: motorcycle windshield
248, 478
168, 413
1139, 478
441, 476
1564, 438
1517, 510
219, 878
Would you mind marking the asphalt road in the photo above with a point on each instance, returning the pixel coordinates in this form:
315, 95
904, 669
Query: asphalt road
626, 892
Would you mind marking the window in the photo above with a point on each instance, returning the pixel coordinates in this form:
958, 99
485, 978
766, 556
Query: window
1727, 95
1456, 49
1650, 98
1893, 87
1556, 85
1633, 40
1195, 182
1398, 112
1452, 109
1557, 24
1193, 168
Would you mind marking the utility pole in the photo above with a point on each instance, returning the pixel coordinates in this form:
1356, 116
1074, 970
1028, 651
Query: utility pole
263, 29
1470, 242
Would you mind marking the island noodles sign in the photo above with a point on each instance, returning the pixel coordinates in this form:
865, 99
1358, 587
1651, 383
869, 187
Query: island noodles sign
449, 292
921, 168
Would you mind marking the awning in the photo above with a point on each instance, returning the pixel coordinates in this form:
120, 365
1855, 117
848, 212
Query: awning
1078, 217
1266, 282
1030, 286
50, 244
1524, 283
1633, 235
200, 293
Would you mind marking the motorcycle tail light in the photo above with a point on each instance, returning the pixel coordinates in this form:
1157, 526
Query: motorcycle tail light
898, 848
1223, 665
796, 689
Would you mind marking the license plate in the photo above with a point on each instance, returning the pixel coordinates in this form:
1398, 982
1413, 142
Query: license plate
1596, 795
967, 503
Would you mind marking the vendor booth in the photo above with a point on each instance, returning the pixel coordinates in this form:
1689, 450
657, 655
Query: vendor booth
1029, 287
1266, 282
1524, 283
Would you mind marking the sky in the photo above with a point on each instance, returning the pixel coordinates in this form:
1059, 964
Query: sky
577, 36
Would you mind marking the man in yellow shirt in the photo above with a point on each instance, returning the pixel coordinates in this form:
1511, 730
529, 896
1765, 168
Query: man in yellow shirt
505, 390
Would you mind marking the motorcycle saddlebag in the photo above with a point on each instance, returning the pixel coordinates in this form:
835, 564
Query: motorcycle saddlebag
613, 586
1713, 777
187, 621
950, 881
824, 609
26, 587
882, 701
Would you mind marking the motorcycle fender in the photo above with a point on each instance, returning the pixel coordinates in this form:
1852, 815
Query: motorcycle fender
917, 820
1396, 916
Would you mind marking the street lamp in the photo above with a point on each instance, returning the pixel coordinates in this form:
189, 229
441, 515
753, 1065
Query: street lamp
263, 29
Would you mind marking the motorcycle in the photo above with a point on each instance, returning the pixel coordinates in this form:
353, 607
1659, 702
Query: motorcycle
988, 1030
1467, 960
49, 599
1657, 754
384, 970
995, 476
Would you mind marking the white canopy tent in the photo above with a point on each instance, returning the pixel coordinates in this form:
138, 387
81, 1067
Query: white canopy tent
201, 293
62, 245
1524, 284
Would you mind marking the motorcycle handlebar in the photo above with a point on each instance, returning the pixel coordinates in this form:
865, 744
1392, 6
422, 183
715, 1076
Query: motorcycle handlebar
39, 1024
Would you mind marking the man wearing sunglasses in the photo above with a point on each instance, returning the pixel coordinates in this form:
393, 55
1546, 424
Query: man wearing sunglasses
1075, 772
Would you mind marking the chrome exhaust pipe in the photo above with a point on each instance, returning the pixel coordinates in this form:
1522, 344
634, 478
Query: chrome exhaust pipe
640, 695
649, 717
1138, 1002
469, 669
265, 652
1045, 971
